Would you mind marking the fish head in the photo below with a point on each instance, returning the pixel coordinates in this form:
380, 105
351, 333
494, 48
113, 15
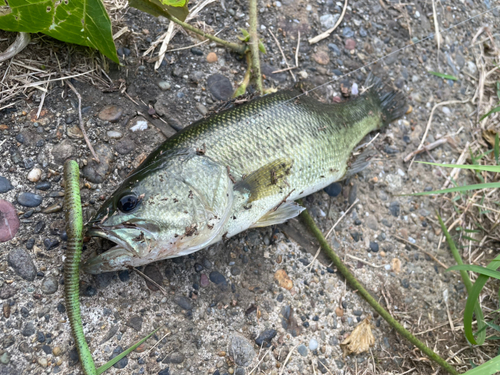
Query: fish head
164, 210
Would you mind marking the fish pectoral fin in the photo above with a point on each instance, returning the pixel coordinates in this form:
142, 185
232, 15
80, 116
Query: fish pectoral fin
267, 180
286, 211
359, 162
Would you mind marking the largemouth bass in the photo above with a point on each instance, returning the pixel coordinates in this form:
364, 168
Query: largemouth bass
238, 169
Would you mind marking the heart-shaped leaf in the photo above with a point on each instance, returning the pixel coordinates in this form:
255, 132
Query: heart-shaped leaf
162, 7
83, 22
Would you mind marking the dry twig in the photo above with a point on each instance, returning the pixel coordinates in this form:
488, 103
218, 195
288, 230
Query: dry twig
327, 33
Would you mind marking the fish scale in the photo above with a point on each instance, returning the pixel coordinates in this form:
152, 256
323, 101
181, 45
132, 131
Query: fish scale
237, 169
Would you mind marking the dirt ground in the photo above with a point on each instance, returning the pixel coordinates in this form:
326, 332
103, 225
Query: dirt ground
221, 309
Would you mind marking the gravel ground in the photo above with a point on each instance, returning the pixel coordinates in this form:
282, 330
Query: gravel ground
223, 309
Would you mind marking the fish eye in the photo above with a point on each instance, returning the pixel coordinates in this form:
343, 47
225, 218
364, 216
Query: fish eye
127, 203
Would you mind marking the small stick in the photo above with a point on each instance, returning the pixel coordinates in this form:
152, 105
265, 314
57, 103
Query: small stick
285, 69
287, 359
331, 230
297, 51
454, 173
154, 346
152, 282
82, 127
282, 54
429, 147
327, 33
418, 247
363, 261
42, 101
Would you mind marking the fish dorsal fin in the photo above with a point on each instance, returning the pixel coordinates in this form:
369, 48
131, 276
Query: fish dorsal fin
267, 180
286, 211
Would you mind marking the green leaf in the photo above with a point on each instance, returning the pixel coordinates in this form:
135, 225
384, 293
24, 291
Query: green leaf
262, 47
476, 167
174, 3
245, 37
83, 22
109, 364
498, 90
156, 8
478, 269
444, 76
487, 368
494, 110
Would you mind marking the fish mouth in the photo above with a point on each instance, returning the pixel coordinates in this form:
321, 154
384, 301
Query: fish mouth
121, 256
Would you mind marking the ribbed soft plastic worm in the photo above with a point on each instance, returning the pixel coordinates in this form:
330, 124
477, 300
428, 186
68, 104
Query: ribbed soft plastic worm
74, 229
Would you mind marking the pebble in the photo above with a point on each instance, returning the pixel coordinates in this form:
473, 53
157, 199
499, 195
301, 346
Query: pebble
196, 51
42, 361
241, 350
63, 151
111, 113
395, 209
183, 302
28, 329
220, 86
347, 32
164, 85
5, 359
175, 357
35, 175
5, 185
165, 371
374, 247
49, 285
335, 49
321, 57
124, 275
204, 281
9, 221
43, 185
96, 172
363, 32
202, 109
334, 189
113, 134
135, 322
313, 344
103, 279
122, 363
302, 349
350, 44
125, 146
29, 199
50, 243
265, 337
328, 21
217, 278
212, 57
20, 260
153, 272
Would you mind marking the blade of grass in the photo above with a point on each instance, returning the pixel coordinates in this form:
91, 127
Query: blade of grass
496, 149
109, 364
478, 269
476, 167
488, 185
494, 110
468, 285
444, 76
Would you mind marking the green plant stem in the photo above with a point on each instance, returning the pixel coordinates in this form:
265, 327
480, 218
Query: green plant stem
355, 284
246, 80
236, 47
254, 45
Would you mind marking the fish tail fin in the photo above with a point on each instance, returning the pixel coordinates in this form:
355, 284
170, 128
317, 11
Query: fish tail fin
392, 102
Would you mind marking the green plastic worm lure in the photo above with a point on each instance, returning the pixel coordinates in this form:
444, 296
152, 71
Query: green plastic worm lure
74, 229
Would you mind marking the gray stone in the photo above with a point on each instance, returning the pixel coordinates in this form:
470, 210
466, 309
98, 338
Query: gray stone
20, 260
183, 302
302, 349
49, 285
29, 199
96, 172
175, 357
220, 86
28, 329
164, 85
5, 185
328, 20
122, 363
125, 146
241, 350
63, 151
135, 322
111, 113
371, 222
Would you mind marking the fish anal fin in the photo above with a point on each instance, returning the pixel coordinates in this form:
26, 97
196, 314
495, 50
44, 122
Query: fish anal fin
267, 180
359, 162
285, 212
